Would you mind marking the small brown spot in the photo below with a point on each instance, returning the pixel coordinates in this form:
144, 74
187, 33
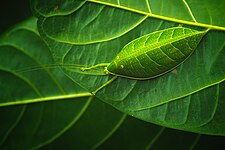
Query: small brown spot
56, 7
174, 71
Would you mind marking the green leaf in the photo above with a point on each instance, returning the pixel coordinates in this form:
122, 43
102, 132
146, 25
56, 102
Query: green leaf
61, 116
29, 50
63, 24
189, 98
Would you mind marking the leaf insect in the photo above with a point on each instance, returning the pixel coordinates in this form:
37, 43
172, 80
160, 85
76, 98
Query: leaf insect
153, 55
149, 56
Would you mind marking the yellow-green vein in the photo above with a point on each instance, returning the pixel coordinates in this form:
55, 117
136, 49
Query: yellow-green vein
161, 17
178, 97
44, 99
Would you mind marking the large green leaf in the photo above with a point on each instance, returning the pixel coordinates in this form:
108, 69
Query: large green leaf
190, 99
43, 108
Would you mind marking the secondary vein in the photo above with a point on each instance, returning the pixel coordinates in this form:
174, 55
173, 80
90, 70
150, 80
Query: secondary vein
189, 10
44, 99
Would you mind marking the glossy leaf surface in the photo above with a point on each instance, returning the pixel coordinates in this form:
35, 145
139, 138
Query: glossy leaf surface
189, 98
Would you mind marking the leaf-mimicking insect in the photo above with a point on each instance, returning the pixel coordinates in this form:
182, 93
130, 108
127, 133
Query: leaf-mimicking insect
154, 54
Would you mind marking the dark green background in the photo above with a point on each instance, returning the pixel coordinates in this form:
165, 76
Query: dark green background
12, 12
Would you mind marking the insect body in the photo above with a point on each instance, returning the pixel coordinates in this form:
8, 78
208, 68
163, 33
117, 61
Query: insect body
154, 54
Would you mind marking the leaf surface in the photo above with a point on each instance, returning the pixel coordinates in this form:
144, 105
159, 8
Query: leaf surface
56, 120
189, 98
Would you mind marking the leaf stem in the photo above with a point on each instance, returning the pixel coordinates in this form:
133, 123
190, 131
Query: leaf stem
95, 66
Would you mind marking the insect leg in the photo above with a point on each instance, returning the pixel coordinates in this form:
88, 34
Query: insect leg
95, 66
105, 84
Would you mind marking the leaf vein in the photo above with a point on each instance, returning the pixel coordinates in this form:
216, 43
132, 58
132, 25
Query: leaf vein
178, 97
149, 7
189, 10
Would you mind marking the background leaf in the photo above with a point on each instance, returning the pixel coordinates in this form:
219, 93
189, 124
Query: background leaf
189, 99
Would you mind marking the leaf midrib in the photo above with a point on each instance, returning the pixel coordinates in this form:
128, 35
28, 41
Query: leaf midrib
214, 27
